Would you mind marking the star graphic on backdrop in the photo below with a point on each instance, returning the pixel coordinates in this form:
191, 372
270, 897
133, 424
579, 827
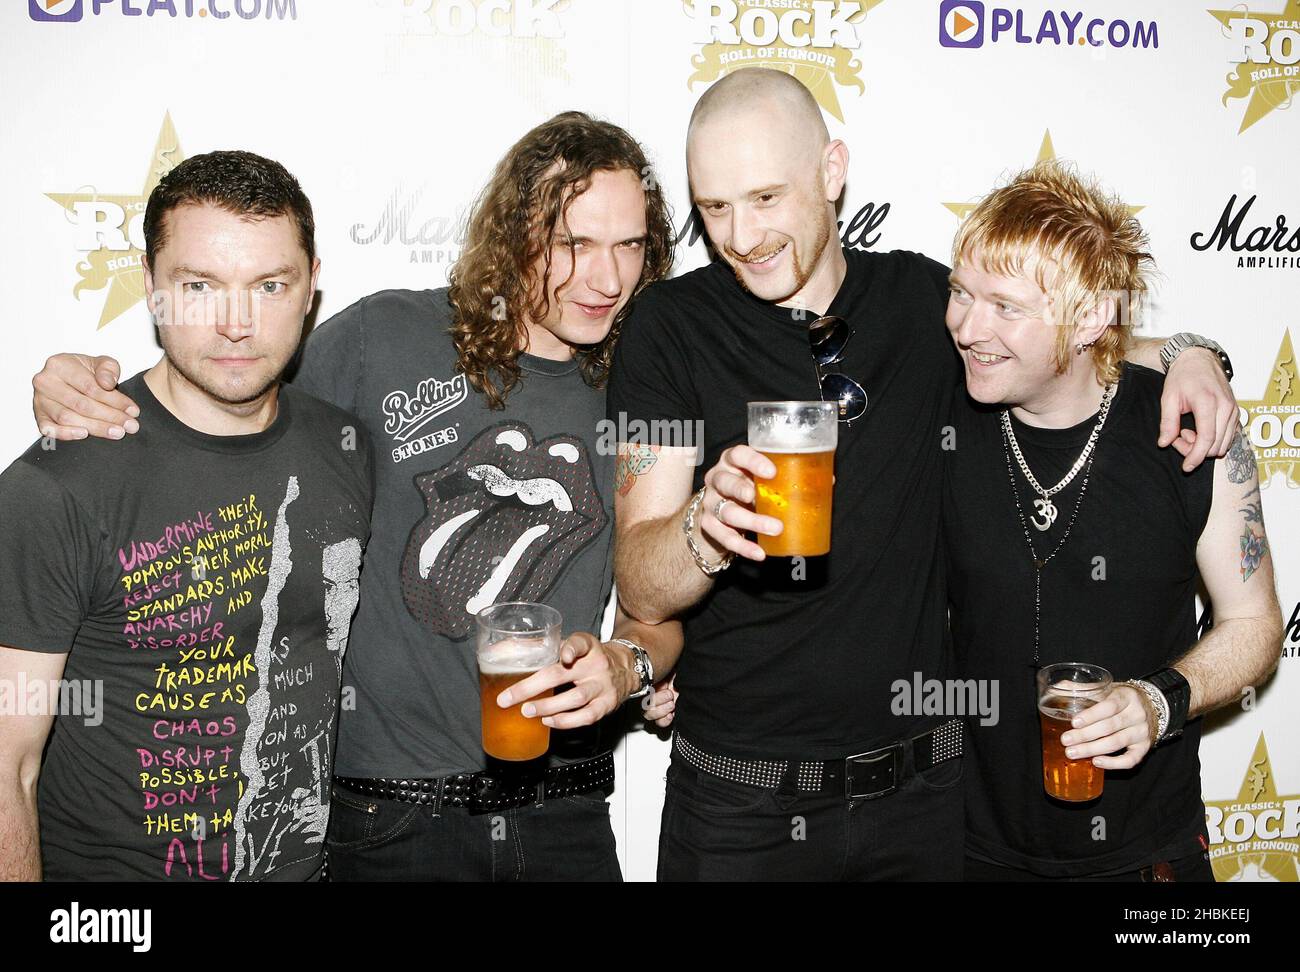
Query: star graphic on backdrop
1046, 153
1265, 93
1280, 394
1245, 860
125, 277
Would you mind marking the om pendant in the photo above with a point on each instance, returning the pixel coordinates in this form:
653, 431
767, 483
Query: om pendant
1047, 511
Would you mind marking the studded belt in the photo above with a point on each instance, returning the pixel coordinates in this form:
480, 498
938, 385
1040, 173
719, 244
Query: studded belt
490, 792
863, 776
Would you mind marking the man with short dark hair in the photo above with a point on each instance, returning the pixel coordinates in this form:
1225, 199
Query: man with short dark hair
492, 485
199, 578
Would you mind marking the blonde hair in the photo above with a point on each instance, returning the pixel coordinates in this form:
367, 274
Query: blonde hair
1052, 216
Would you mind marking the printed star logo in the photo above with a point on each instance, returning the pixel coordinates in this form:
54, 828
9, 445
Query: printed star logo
1253, 837
1046, 153
1264, 82
107, 224
1277, 447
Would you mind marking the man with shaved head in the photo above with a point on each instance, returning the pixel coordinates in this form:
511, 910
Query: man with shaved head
811, 741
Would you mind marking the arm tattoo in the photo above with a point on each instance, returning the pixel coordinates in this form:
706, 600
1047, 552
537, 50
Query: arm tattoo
634, 461
1254, 544
1240, 458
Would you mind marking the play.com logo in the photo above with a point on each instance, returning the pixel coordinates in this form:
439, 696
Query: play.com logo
73, 11
961, 23
55, 11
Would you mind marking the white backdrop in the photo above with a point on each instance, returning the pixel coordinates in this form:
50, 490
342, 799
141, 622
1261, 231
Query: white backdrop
391, 112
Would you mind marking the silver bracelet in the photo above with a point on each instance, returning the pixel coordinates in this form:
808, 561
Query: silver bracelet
642, 665
688, 527
1158, 702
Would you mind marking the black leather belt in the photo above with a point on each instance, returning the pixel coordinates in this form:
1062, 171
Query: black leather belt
490, 792
864, 776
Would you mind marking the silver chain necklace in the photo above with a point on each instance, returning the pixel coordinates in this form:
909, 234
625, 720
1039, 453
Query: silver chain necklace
1045, 508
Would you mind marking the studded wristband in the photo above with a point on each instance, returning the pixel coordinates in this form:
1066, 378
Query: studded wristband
1177, 692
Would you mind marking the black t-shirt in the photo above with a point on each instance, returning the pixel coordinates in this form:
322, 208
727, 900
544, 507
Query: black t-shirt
1119, 593
776, 667
203, 586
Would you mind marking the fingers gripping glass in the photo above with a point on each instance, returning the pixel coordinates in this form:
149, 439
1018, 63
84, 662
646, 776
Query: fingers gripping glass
827, 339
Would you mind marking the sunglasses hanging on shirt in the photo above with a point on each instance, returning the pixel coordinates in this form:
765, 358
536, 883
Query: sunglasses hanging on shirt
827, 339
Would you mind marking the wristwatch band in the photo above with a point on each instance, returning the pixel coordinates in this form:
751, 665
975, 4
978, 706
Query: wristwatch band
1179, 343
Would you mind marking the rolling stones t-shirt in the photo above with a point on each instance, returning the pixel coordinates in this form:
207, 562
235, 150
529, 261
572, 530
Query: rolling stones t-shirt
472, 506
203, 588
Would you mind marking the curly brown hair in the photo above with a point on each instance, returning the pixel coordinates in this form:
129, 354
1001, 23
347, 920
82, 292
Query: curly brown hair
517, 219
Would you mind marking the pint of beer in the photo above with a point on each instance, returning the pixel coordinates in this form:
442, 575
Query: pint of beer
1064, 691
515, 639
799, 438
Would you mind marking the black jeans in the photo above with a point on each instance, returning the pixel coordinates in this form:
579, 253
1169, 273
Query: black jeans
1194, 867
567, 839
716, 830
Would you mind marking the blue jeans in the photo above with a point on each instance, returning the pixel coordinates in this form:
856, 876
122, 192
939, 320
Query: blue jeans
716, 830
567, 839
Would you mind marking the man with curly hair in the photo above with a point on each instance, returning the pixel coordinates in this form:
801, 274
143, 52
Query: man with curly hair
484, 400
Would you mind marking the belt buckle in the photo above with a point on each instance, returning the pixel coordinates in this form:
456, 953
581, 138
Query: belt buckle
878, 762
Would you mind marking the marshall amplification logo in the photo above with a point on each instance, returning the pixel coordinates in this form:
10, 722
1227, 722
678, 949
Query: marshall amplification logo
1264, 51
403, 222
1257, 243
1255, 837
1046, 153
1273, 422
110, 231
813, 40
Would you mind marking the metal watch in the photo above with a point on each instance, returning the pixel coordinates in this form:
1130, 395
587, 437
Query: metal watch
1179, 343
641, 664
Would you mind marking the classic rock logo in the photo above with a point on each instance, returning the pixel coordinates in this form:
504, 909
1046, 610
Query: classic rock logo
1264, 50
813, 40
1273, 422
1046, 153
518, 42
1258, 244
110, 231
502, 521
1255, 836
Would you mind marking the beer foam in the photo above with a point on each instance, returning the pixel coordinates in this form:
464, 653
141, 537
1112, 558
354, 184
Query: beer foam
778, 450
516, 655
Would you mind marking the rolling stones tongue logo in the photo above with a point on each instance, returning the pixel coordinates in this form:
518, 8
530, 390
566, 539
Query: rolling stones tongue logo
504, 517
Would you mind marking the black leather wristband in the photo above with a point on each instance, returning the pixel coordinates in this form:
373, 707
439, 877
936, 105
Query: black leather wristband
1178, 693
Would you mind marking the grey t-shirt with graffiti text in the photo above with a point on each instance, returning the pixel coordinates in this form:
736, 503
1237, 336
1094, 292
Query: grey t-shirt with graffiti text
473, 506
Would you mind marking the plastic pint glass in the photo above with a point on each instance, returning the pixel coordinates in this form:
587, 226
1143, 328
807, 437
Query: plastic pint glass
515, 639
799, 438
1064, 691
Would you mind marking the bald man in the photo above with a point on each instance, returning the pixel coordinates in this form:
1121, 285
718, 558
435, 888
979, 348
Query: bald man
811, 740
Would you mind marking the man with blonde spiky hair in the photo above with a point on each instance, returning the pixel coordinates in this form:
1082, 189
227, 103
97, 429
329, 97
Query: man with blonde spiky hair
1073, 538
